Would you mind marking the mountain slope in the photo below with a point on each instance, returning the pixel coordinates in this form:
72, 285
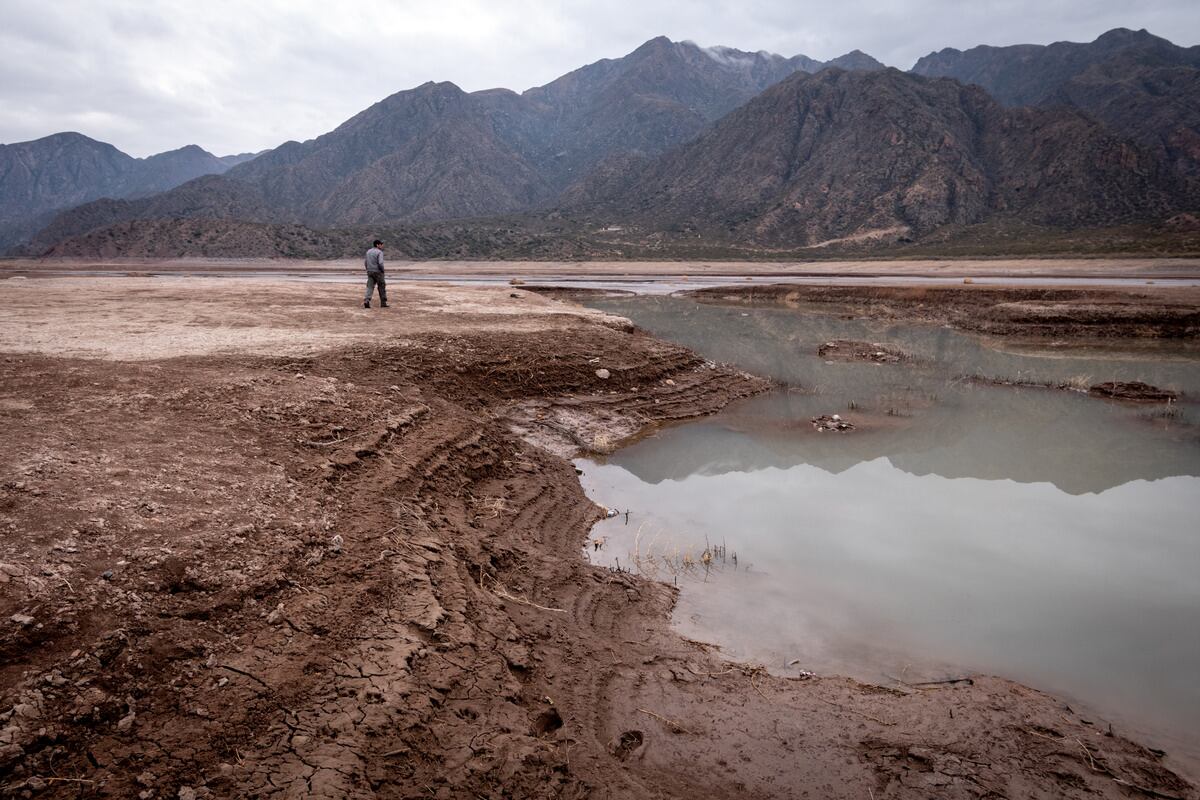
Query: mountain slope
659, 95
429, 152
436, 152
1138, 84
39, 177
1027, 74
884, 154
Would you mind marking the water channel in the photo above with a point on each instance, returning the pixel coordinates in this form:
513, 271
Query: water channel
1038, 534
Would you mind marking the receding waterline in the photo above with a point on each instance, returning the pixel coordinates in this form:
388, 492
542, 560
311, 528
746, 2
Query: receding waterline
1041, 535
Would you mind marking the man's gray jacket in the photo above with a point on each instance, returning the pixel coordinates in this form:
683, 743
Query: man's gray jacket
374, 262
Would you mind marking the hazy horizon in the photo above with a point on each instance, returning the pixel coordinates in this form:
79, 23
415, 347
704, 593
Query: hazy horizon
236, 79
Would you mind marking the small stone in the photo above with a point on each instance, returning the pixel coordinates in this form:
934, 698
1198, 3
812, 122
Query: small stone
24, 620
186, 793
107, 574
603, 373
126, 722
299, 740
225, 769
276, 616
147, 778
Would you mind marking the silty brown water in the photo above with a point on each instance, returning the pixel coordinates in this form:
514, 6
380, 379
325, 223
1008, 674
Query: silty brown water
1039, 534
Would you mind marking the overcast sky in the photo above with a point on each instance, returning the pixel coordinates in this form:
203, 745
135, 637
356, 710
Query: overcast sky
241, 76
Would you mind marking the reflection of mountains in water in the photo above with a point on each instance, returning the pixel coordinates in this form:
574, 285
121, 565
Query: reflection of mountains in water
782, 343
1077, 453
950, 427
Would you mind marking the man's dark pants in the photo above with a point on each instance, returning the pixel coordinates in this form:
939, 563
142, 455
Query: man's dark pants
376, 279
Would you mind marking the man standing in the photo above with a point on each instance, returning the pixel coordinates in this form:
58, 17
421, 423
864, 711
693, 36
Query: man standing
374, 264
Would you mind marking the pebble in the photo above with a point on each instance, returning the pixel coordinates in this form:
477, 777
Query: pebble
603, 373
24, 620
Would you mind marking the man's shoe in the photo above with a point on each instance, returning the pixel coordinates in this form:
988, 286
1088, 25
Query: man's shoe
383, 305
366, 303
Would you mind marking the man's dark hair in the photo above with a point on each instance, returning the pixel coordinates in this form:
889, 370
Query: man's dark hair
376, 243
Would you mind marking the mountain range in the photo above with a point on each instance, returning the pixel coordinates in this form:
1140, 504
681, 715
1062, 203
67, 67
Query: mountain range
1137, 84
47, 175
676, 141
884, 155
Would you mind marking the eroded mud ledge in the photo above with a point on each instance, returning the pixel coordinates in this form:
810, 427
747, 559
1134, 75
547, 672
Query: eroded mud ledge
1086, 313
345, 571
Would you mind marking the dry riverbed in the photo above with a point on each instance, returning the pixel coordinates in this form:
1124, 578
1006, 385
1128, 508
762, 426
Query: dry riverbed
257, 541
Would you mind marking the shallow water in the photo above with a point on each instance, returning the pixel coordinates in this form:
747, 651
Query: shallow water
1039, 534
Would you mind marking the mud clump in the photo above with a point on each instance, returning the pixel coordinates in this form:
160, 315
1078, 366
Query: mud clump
1133, 391
831, 422
851, 350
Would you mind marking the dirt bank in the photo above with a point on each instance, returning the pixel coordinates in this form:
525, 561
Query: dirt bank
314, 554
1044, 312
948, 268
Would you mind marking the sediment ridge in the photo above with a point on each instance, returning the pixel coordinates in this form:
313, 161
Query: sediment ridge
1078, 312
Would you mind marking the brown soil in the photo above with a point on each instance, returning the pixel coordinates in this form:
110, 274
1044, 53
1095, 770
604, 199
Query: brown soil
956, 268
1134, 391
1129, 391
1089, 313
848, 350
318, 560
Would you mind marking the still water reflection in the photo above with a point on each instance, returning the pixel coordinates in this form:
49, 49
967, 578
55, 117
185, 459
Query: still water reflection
1042, 535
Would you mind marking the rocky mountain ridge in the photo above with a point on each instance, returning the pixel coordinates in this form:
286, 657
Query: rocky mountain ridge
888, 156
1137, 84
43, 176
677, 140
437, 152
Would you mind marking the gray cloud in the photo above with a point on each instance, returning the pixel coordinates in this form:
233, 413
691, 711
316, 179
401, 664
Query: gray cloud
234, 77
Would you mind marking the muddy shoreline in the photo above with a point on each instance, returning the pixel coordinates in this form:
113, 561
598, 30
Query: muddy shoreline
259, 543
1075, 313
